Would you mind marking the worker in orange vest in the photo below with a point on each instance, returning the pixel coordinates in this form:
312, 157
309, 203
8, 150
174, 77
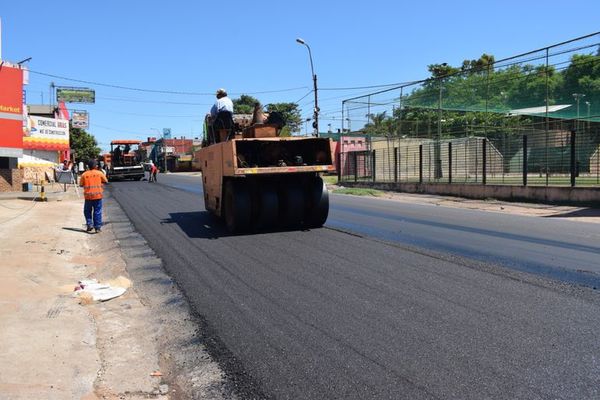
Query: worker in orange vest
92, 181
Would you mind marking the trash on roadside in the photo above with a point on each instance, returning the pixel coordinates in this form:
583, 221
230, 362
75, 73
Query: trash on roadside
156, 373
90, 290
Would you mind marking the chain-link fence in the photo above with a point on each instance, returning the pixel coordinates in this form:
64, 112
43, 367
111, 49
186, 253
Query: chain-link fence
530, 119
561, 158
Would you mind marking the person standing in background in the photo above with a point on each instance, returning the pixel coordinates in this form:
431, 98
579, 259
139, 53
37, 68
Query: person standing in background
92, 181
153, 173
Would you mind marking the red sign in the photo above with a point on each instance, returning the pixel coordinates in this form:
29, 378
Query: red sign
11, 107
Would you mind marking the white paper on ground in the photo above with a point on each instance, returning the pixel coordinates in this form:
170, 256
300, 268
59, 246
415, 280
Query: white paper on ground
105, 293
100, 291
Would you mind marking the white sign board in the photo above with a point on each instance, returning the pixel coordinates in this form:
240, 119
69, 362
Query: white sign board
46, 134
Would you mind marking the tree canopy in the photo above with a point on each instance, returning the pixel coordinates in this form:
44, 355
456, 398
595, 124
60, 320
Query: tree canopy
244, 105
477, 93
83, 144
290, 113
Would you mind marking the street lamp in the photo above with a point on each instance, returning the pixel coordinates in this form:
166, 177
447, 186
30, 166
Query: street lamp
577, 97
314, 76
588, 104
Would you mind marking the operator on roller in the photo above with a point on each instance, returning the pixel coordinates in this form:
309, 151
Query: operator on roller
221, 113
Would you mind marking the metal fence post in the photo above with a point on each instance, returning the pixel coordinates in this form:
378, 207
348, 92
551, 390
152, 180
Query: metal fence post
573, 160
525, 160
484, 162
395, 164
338, 162
373, 164
420, 163
355, 154
449, 162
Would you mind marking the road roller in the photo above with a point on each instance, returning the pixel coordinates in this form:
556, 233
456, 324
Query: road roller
255, 180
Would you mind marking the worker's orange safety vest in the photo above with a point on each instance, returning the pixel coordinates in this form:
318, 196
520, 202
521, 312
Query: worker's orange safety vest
92, 184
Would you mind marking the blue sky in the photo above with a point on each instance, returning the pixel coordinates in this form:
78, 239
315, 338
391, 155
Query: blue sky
249, 47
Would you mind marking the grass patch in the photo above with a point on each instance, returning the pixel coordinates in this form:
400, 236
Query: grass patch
359, 192
330, 179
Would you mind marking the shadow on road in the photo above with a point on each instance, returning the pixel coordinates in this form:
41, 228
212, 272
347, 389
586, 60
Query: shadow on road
202, 224
198, 224
586, 212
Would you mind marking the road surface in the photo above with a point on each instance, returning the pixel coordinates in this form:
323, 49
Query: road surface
351, 312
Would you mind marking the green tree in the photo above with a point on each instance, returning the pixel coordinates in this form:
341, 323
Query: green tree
290, 114
378, 124
83, 144
244, 105
285, 132
582, 76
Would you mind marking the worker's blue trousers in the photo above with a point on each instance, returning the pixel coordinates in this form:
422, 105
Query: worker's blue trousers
93, 207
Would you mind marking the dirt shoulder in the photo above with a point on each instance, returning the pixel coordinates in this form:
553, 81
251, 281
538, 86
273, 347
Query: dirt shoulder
142, 344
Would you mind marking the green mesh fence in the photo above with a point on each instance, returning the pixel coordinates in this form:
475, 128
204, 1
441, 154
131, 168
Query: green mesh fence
543, 95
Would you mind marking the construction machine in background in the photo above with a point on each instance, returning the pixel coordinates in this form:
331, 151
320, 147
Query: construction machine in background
254, 179
124, 160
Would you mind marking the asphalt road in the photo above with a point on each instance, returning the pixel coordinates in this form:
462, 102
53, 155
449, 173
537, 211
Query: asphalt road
553, 247
325, 314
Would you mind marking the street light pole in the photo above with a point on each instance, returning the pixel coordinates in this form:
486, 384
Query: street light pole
314, 77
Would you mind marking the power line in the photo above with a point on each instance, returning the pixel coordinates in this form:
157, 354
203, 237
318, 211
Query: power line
153, 101
157, 90
145, 115
303, 97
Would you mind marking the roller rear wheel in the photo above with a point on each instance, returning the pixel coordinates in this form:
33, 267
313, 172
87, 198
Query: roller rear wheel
291, 205
267, 207
237, 206
318, 203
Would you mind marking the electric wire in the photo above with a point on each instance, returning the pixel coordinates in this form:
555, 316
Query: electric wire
145, 90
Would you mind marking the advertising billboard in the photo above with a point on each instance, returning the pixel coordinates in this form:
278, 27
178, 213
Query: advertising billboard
46, 134
75, 95
11, 111
80, 119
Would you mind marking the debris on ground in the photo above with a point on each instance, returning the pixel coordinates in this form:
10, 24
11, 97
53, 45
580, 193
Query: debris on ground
90, 290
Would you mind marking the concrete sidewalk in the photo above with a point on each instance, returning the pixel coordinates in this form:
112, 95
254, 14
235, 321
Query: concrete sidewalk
52, 346
52, 192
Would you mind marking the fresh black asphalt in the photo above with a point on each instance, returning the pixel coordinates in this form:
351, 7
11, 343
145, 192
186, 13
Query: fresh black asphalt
326, 314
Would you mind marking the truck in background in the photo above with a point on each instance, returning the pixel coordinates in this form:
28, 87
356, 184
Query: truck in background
124, 160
